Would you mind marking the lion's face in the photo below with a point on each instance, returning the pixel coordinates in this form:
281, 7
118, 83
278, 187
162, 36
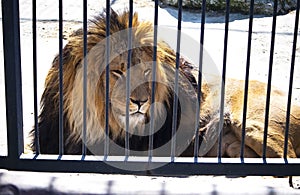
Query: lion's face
139, 92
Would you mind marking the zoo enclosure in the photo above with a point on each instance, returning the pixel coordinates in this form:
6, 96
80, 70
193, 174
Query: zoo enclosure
16, 160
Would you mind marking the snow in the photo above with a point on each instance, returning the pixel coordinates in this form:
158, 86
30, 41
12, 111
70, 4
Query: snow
58, 183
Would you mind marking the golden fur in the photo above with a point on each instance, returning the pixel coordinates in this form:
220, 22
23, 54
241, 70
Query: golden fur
254, 135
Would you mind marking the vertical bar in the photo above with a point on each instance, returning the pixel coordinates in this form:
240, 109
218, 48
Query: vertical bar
223, 80
61, 121
128, 77
106, 141
269, 79
289, 102
203, 16
247, 79
175, 102
13, 80
34, 59
84, 77
152, 108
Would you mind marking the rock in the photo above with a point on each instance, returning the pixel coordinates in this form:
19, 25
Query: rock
239, 6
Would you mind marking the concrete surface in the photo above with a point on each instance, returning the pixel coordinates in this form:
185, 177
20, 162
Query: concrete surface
54, 183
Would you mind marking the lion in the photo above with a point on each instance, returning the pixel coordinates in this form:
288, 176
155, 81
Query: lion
255, 121
139, 114
140, 97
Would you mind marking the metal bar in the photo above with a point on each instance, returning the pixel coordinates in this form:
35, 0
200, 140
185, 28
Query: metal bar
289, 102
208, 167
13, 79
247, 78
175, 102
61, 121
107, 70
34, 60
84, 77
154, 59
223, 80
196, 146
269, 79
127, 147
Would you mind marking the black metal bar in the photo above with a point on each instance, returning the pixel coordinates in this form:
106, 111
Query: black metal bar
154, 59
223, 80
34, 60
127, 149
247, 78
176, 168
107, 70
175, 102
13, 79
61, 120
289, 102
269, 86
84, 77
203, 16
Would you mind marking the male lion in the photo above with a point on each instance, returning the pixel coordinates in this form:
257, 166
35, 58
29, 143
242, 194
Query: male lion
167, 92
140, 98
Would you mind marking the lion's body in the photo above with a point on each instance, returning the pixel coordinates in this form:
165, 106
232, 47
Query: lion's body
255, 122
140, 99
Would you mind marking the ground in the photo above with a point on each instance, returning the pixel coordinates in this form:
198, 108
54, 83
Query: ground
54, 183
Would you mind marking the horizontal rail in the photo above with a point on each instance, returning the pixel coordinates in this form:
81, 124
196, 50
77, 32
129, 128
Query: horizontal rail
180, 166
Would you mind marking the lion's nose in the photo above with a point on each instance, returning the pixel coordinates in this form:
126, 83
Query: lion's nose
138, 102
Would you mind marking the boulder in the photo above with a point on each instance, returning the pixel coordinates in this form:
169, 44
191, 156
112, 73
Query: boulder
264, 7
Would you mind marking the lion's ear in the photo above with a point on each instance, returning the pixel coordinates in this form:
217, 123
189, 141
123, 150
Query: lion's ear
135, 19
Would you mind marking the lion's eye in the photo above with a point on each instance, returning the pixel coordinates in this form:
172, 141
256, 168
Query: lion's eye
117, 73
147, 72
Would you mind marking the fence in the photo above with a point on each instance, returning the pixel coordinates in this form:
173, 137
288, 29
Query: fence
16, 160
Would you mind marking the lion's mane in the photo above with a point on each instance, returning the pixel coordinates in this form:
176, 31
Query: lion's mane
73, 70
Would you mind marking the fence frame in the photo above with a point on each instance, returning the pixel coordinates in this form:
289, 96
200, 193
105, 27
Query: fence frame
16, 160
